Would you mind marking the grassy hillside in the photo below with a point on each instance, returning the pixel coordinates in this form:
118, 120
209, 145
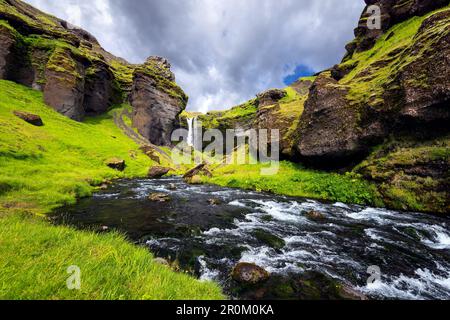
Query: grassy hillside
45, 167
49, 166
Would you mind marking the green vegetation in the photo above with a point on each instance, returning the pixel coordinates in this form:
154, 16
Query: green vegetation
46, 167
375, 70
397, 166
294, 180
34, 257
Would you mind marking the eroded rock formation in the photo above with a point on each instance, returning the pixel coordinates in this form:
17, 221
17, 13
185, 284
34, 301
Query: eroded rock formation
78, 77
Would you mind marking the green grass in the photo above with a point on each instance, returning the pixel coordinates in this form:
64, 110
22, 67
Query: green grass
376, 68
42, 168
46, 167
294, 180
34, 258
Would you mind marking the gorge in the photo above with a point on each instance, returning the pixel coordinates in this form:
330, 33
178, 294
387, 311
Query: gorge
86, 168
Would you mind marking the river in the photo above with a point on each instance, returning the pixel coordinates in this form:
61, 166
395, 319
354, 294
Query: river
411, 250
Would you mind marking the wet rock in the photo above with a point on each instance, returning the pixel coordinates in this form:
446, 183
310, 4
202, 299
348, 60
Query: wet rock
157, 172
248, 273
33, 119
116, 164
159, 197
214, 202
348, 293
172, 186
270, 97
313, 285
269, 239
314, 215
104, 186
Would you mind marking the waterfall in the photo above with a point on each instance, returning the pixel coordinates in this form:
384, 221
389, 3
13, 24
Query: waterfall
191, 127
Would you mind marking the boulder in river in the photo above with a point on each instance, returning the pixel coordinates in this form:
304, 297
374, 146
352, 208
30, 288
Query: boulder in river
249, 273
269, 239
157, 172
159, 197
33, 119
214, 201
201, 169
314, 215
116, 164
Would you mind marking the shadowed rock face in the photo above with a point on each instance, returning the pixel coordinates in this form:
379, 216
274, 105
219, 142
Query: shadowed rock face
7, 42
329, 129
157, 101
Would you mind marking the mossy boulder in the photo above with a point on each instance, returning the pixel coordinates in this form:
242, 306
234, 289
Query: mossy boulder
116, 164
269, 239
33, 119
249, 273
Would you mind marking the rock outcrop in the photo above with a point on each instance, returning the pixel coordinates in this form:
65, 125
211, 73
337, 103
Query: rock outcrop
392, 12
270, 97
401, 84
30, 118
157, 101
78, 77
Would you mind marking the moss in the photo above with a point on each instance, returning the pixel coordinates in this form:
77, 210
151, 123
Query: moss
269, 239
375, 69
410, 174
162, 82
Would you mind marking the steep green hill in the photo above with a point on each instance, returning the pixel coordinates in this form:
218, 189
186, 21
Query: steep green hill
52, 165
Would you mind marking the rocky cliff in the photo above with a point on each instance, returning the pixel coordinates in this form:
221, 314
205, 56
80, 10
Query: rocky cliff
382, 113
387, 104
274, 109
78, 77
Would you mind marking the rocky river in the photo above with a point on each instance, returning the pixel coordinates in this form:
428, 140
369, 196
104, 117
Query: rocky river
308, 247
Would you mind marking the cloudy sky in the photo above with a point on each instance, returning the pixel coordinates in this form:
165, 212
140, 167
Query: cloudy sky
223, 52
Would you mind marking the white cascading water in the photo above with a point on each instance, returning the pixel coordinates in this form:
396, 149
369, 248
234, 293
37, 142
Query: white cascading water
191, 126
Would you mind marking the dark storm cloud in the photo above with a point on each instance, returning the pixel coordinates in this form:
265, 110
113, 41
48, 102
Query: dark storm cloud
222, 51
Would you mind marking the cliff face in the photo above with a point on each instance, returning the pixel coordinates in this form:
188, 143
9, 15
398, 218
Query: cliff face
398, 84
274, 109
387, 105
78, 77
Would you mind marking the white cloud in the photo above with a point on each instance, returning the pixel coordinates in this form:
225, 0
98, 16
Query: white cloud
222, 52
